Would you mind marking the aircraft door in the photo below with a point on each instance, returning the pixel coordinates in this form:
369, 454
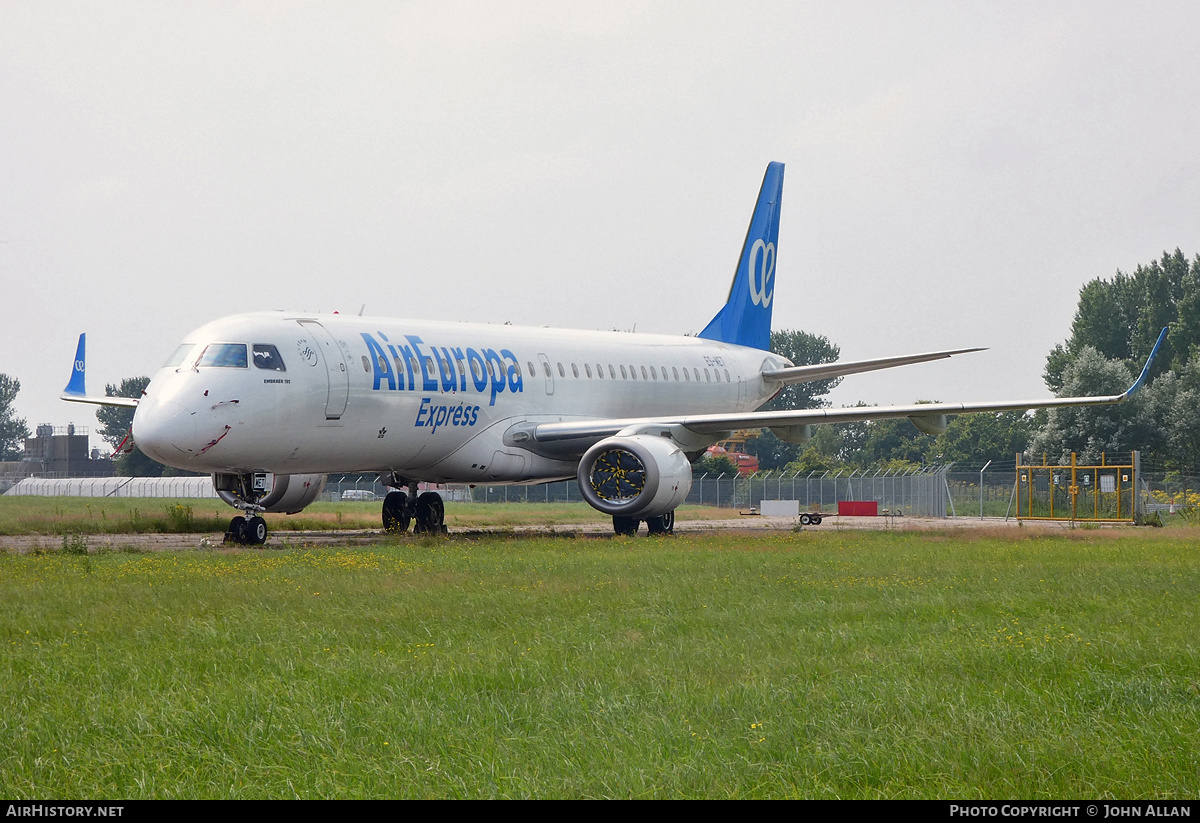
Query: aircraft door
335, 368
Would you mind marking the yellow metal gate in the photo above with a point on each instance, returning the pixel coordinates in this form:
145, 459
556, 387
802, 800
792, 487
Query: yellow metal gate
1094, 493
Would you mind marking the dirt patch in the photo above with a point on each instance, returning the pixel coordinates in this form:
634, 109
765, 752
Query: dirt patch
758, 524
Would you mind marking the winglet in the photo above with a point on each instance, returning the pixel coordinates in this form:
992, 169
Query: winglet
1141, 381
75, 387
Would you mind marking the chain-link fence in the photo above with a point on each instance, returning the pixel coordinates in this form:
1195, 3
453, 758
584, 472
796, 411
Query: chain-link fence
924, 492
913, 492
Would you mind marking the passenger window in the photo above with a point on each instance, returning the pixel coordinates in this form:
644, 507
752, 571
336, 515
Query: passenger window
224, 356
675, 371
561, 373
587, 367
624, 376
574, 370
532, 370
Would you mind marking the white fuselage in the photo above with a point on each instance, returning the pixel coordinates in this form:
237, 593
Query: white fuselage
290, 394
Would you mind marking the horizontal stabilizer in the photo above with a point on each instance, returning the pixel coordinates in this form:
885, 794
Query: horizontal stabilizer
824, 371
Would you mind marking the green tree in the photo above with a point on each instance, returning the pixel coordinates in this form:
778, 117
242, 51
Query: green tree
1091, 430
803, 349
1121, 318
116, 421
978, 438
812, 460
1116, 324
896, 440
13, 430
714, 465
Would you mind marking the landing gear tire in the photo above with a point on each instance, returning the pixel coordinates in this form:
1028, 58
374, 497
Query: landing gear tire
237, 530
395, 513
431, 514
625, 526
256, 531
247, 532
662, 525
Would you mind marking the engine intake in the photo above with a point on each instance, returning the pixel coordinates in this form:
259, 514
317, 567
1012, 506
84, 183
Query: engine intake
635, 476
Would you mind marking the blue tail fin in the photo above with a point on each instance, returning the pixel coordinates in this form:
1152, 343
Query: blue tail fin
745, 319
75, 385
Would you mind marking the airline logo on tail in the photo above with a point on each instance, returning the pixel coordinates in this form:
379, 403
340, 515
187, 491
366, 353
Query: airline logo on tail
762, 272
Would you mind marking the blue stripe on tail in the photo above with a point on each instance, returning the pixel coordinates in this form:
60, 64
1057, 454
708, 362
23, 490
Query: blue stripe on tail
745, 319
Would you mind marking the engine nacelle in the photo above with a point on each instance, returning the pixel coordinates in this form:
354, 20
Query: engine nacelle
640, 476
288, 493
929, 423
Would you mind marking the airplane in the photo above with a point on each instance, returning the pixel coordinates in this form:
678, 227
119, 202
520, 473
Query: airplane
271, 403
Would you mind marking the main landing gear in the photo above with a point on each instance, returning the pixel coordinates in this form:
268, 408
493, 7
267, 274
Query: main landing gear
426, 511
628, 526
247, 531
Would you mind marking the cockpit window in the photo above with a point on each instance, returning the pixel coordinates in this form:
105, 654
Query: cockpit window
224, 356
267, 357
178, 356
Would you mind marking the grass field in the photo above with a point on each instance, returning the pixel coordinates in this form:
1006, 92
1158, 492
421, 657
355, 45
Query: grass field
819, 664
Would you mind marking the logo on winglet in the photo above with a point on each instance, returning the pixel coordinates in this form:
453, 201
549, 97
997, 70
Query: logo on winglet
762, 273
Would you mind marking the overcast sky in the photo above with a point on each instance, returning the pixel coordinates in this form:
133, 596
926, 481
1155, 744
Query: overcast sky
955, 171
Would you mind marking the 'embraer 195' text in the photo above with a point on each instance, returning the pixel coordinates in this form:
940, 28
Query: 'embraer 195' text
415, 366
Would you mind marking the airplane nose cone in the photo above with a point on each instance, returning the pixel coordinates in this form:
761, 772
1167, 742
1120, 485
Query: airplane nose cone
165, 432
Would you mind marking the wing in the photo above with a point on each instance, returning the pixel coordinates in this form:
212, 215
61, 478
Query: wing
699, 430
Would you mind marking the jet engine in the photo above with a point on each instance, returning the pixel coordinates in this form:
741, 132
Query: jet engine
638, 476
288, 493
